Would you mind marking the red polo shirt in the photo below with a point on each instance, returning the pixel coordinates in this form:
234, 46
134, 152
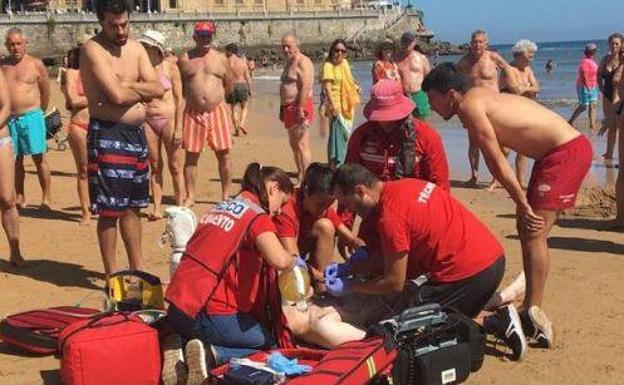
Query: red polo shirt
441, 237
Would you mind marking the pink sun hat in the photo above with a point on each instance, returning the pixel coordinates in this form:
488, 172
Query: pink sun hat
388, 103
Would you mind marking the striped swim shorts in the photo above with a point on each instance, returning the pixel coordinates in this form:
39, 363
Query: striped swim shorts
213, 127
118, 168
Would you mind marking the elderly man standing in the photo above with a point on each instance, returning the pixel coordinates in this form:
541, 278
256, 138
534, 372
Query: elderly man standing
207, 78
29, 91
297, 105
119, 81
481, 66
413, 67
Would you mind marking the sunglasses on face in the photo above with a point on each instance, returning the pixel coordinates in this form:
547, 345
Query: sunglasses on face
203, 34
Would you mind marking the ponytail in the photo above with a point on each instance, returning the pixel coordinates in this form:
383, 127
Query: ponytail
257, 175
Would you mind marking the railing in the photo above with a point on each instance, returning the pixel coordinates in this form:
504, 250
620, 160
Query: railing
43, 17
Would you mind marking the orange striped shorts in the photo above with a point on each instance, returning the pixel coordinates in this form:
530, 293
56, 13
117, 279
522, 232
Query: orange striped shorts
213, 127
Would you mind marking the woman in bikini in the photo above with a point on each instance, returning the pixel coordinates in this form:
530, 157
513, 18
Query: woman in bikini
76, 103
606, 70
164, 123
385, 67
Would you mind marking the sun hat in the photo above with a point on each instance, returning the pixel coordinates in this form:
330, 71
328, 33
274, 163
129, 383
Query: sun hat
204, 27
388, 103
590, 47
153, 39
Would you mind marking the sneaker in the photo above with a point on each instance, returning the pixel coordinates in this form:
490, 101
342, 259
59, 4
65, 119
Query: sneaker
174, 370
538, 327
510, 330
198, 362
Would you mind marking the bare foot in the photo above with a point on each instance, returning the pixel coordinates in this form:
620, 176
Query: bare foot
472, 182
607, 156
492, 186
154, 216
236, 132
85, 221
21, 204
244, 131
189, 203
45, 207
17, 260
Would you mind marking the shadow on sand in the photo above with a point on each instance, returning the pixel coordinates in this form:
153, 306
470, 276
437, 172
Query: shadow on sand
62, 274
582, 244
35, 212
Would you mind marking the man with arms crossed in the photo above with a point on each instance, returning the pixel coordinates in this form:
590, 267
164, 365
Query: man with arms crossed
29, 91
562, 158
413, 67
481, 66
297, 105
207, 78
118, 80
241, 90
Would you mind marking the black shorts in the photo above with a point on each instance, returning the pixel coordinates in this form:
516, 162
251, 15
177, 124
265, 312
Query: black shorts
468, 295
118, 168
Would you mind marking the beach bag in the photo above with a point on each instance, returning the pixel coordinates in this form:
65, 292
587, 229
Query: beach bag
37, 331
435, 347
116, 348
53, 123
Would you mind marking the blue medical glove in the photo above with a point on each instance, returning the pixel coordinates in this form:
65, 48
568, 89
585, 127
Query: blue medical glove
300, 262
361, 254
338, 286
337, 270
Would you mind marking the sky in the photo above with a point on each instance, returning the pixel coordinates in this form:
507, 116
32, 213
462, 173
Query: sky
507, 21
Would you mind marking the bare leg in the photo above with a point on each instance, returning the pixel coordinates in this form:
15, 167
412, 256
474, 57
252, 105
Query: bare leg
324, 233
107, 237
175, 157
618, 222
20, 175
536, 259
154, 145
78, 145
43, 172
579, 110
10, 216
243, 117
473, 158
511, 293
224, 161
130, 227
612, 133
190, 174
521, 170
592, 117
607, 108
293, 140
234, 122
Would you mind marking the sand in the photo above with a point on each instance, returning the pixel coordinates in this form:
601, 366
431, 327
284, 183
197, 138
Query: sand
584, 294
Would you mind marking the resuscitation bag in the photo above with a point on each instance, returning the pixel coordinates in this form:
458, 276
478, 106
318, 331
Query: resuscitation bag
133, 290
294, 286
180, 227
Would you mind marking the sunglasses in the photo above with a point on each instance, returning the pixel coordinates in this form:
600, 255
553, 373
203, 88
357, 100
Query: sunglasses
338, 50
203, 34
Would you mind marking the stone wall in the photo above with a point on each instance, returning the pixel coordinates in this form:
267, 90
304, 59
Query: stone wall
52, 37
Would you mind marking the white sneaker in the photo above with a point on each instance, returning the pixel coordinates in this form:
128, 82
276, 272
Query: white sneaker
196, 361
539, 327
174, 370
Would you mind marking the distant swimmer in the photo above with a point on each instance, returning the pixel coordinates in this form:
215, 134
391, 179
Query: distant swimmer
481, 66
550, 66
562, 159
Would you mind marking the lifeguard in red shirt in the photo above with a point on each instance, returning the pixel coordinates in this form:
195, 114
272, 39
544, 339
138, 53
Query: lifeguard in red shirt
422, 230
308, 224
223, 294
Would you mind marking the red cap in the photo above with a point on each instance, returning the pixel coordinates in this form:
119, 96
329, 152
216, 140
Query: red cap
204, 26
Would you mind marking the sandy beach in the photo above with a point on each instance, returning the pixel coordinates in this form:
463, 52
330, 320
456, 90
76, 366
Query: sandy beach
582, 294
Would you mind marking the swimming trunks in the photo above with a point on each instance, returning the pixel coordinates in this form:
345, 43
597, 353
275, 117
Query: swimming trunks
117, 168
289, 114
239, 94
214, 127
28, 132
158, 124
557, 177
587, 96
422, 109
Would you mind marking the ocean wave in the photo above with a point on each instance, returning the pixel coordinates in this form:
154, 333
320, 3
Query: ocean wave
558, 102
267, 77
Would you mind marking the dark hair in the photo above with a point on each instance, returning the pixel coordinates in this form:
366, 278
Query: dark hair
257, 175
385, 46
73, 58
334, 44
232, 47
616, 35
116, 7
318, 179
350, 175
445, 77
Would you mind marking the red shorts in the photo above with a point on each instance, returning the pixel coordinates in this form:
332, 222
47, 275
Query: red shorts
288, 114
213, 127
557, 177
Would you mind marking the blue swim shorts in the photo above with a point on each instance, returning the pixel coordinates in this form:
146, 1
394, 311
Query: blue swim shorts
586, 96
28, 132
117, 168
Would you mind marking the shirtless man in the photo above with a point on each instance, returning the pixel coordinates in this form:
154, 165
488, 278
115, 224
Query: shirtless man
297, 105
119, 81
29, 91
242, 87
562, 158
207, 78
8, 210
481, 66
413, 67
